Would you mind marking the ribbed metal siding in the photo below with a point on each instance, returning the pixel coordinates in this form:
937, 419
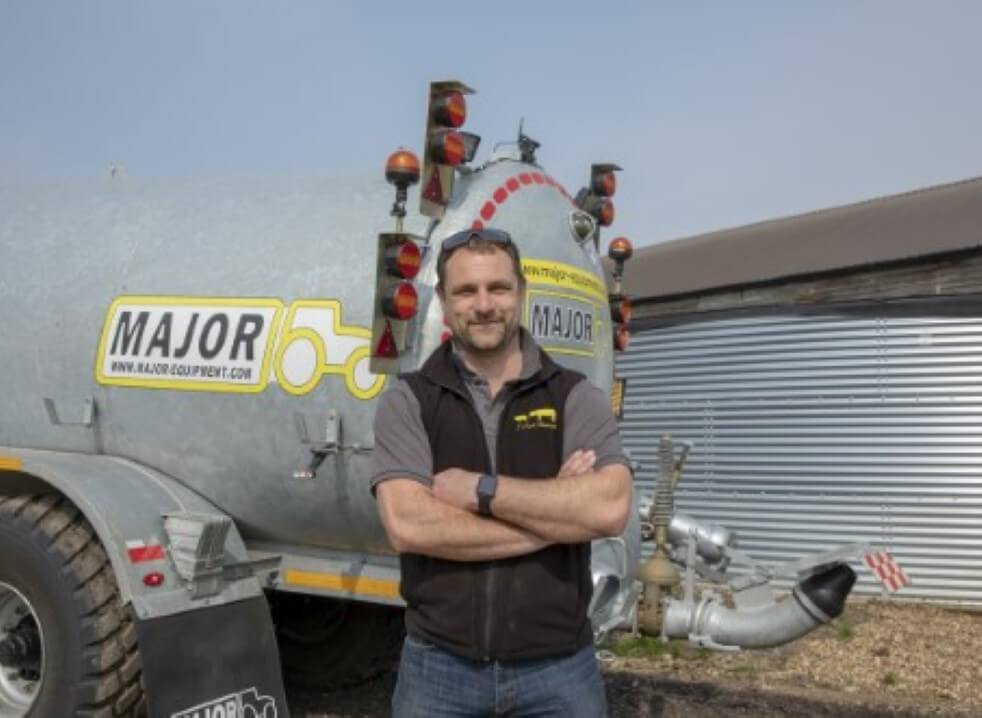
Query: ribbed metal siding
815, 432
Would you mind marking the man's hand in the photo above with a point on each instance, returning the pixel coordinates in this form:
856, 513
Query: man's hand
457, 488
579, 462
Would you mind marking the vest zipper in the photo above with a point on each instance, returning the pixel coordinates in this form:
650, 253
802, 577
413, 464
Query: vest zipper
489, 585
489, 579
488, 611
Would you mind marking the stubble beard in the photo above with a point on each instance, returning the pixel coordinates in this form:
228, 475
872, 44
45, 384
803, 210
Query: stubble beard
480, 344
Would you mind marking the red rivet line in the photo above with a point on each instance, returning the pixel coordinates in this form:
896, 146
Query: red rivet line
488, 210
512, 185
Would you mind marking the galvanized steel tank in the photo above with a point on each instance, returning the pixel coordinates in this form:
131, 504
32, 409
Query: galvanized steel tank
290, 265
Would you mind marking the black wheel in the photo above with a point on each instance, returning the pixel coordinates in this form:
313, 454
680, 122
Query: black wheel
67, 646
330, 644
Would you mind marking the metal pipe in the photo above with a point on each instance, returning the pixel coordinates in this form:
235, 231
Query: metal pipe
814, 601
711, 539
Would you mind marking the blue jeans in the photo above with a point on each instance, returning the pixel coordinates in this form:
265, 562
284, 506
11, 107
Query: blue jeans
434, 683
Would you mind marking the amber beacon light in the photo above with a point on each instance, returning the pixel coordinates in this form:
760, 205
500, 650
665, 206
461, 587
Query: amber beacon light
401, 171
402, 168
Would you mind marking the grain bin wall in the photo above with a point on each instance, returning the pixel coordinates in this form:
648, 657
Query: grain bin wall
817, 430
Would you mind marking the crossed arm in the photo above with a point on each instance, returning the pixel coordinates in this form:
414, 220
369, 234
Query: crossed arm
580, 504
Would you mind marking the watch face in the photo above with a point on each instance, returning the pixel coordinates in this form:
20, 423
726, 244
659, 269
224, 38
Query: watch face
486, 486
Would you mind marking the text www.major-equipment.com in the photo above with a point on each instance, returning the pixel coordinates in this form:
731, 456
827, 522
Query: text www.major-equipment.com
185, 371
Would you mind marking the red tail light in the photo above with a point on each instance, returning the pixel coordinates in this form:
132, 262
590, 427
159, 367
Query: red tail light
605, 184
404, 260
620, 308
450, 110
622, 338
153, 579
448, 148
400, 301
386, 347
605, 216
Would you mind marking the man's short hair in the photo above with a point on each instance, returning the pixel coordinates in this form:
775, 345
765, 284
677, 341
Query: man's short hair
484, 241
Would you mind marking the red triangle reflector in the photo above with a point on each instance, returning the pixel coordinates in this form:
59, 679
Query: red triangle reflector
386, 348
434, 189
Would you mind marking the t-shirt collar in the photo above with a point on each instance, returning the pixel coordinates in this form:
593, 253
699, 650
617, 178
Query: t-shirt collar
531, 363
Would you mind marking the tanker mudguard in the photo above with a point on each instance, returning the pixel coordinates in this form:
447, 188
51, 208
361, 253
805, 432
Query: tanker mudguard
147, 522
180, 653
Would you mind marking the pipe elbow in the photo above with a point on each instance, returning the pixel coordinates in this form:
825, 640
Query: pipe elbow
816, 600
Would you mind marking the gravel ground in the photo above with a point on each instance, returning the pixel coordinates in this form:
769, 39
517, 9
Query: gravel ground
878, 659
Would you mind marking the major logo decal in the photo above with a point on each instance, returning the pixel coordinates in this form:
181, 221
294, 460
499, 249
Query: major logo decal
563, 323
565, 307
232, 345
244, 704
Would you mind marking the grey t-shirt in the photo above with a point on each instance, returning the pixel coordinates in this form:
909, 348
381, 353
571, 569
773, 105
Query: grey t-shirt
402, 448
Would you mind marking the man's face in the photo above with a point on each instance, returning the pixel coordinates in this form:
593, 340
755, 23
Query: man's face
481, 299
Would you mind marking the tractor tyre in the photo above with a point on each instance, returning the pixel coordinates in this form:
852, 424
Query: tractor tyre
67, 645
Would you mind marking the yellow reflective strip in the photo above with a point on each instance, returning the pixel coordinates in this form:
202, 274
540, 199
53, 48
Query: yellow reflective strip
565, 276
336, 582
10, 463
617, 398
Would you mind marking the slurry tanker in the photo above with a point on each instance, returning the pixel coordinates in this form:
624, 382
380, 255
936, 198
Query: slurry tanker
190, 373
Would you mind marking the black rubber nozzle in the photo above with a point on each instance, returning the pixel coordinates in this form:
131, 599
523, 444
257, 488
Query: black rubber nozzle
828, 590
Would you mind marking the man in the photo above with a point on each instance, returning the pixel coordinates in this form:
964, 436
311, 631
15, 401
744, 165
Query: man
494, 469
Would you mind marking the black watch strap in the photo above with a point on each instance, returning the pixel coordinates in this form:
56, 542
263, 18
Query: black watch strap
487, 486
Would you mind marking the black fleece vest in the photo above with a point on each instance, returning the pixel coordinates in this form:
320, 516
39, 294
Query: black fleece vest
511, 609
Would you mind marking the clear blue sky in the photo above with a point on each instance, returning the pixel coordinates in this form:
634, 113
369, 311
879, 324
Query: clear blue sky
721, 113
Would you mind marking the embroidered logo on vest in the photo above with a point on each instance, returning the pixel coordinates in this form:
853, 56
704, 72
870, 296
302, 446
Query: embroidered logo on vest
544, 418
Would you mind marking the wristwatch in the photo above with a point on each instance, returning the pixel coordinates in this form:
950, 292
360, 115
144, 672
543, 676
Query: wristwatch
487, 486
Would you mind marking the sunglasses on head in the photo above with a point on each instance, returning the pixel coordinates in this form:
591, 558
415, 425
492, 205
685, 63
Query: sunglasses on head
459, 239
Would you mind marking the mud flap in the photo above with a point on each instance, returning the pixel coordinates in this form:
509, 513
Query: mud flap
219, 662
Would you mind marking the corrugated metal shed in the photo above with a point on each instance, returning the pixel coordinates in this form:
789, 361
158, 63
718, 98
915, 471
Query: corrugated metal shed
812, 432
819, 424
